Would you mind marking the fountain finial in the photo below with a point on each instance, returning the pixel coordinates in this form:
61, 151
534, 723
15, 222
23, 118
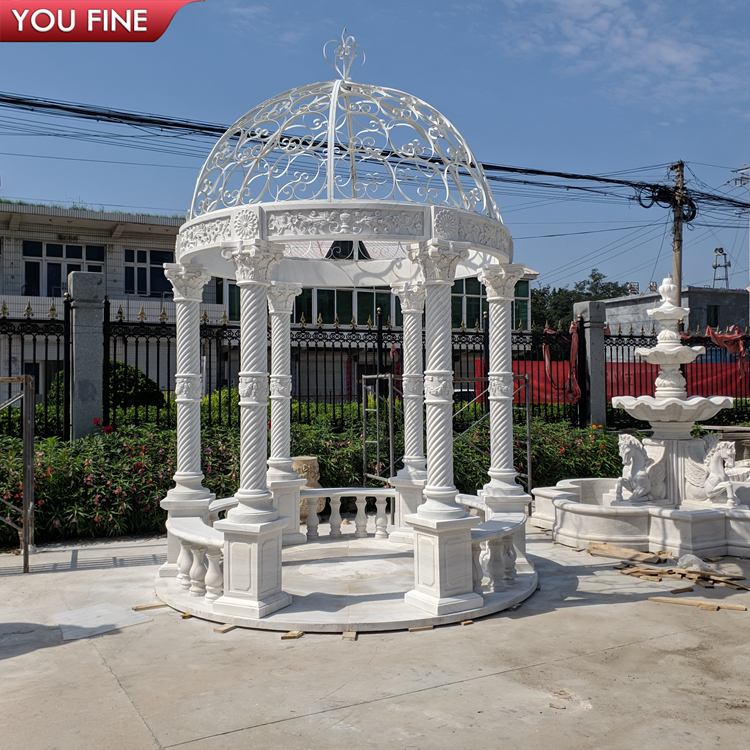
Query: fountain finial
668, 292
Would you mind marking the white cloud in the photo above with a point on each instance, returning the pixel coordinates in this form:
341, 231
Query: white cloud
637, 49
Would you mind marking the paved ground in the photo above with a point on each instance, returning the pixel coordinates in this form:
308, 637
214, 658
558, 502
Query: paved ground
586, 663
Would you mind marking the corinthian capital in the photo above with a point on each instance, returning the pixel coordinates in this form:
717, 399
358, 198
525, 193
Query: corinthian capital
411, 295
187, 281
253, 260
281, 297
500, 281
437, 259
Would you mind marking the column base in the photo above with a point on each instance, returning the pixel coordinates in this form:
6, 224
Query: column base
409, 487
252, 568
443, 580
445, 606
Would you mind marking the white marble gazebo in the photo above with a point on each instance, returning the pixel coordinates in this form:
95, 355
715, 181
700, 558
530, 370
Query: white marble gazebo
384, 171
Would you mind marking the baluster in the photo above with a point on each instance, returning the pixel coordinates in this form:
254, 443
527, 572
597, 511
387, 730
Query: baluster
214, 576
477, 574
184, 563
495, 566
508, 552
360, 521
198, 572
312, 519
381, 520
335, 519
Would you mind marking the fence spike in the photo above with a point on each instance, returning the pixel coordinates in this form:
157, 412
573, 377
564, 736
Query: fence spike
476, 325
653, 328
619, 329
163, 315
28, 312
320, 319
642, 331
142, 315
697, 329
546, 325
388, 322
120, 315
4, 310
520, 325
353, 323
630, 331
463, 325
336, 322
52, 314
369, 321
302, 320
204, 317
559, 326
224, 319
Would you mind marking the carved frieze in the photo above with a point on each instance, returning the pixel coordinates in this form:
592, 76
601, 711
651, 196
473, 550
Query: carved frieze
438, 388
344, 221
253, 388
281, 386
412, 385
246, 224
210, 232
501, 385
187, 387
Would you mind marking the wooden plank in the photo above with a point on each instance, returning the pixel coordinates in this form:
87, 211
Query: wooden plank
709, 607
714, 559
622, 553
683, 590
142, 607
292, 635
734, 607
417, 630
705, 584
467, 622
224, 628
697, 603
349, 635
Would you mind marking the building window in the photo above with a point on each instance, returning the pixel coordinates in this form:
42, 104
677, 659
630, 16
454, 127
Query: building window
303, 305
144, 272
49, 274
521, 306
712, 316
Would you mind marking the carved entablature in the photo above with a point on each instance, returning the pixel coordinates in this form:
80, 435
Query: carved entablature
500, 281
411, 296
390, 222
187, 281
438, 260
281, 297
253, 260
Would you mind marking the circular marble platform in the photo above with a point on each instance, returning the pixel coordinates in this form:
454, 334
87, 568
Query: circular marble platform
349, 584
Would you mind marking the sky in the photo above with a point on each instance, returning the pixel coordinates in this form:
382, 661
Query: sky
622, 87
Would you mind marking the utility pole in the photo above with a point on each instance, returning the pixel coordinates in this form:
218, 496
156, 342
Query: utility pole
677, 206
743, 178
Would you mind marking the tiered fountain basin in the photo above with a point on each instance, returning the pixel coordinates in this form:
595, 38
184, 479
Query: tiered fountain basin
353, 584
580, 511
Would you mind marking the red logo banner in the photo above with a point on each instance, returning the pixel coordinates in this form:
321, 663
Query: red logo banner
86, 20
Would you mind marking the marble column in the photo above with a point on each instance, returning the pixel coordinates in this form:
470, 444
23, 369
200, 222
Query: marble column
188, 497
410, 481
502, 493
283, 481
442, 528
253, 529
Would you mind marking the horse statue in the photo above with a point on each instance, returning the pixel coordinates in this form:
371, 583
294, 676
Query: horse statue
709, 480
640, 474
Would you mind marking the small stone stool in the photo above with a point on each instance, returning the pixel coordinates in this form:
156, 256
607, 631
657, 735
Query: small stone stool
307, 468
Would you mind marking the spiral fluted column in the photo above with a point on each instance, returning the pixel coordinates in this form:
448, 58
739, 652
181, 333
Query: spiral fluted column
500, 283
283, 482
188, 497
442, 529
253, 529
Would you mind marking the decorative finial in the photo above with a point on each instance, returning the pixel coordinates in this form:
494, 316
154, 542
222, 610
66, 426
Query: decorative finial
320, 319
369, 321
353, 322
163, 315
120, 314
28, 312
4, 310
52, 314
336, 321
224, 319
463, 325
302, 320
344, 55
204, 317
476, 325
142, 315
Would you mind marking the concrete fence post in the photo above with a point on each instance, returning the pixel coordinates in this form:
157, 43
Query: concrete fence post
592, 319
87, 291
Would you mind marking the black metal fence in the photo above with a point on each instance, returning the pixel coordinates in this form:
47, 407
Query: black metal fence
40, 348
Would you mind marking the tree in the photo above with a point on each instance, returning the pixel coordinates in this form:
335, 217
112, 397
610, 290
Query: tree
554, 305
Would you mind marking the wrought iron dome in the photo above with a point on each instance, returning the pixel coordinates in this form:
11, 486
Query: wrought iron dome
343, 160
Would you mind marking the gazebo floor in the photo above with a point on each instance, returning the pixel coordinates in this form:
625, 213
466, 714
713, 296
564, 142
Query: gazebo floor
349, 584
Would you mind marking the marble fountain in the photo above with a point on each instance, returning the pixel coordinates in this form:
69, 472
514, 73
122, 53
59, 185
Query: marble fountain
677, 492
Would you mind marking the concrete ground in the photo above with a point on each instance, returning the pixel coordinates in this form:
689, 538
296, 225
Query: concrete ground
587, 662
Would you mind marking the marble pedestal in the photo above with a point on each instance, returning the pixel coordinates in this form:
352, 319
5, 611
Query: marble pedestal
285, 498
442, 565
409, 497
252, 569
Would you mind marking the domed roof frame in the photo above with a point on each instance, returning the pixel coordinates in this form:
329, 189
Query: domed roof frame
341, 160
